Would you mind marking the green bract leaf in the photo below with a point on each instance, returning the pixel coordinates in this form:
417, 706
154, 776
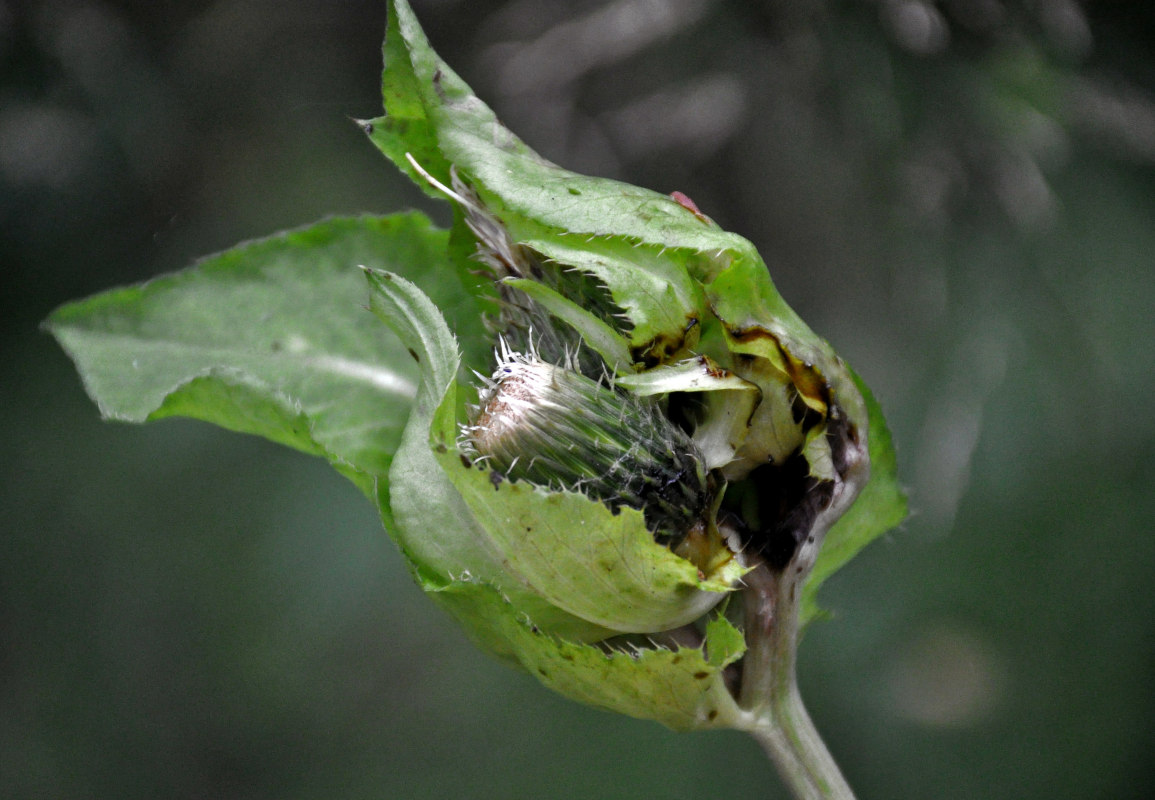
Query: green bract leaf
682, 688
271, 338
730, 402
596, 334
659, 299
423, 511
457, 128
599, 565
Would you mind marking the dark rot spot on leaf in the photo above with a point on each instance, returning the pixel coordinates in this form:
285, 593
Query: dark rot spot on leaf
701, 676
802, 414
813, 388
413, 353
789, 500
713, 715
712, 369
496, 478
441, 448
664, 348
465, 462
542, 672
841, 436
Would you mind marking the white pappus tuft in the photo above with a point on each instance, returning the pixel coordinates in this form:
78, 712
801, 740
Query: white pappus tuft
550, 425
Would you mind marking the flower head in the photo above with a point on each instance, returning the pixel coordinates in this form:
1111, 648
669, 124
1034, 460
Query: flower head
550, 425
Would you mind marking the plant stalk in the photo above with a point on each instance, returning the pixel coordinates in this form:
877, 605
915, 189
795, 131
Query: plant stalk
769, 693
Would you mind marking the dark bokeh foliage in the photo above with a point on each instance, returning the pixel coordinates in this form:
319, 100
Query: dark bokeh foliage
959, 195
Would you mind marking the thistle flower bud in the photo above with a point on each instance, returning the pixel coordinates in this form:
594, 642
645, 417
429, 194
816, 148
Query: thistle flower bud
552, 426
660, 423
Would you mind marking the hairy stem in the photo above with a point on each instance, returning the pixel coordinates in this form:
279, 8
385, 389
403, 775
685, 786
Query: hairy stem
775, 715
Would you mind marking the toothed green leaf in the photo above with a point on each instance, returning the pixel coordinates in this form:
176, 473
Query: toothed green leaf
600, 565
271, 338
662, 304
682, 688
599, 336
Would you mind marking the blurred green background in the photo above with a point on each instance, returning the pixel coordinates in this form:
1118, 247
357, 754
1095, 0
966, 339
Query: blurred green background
960, 195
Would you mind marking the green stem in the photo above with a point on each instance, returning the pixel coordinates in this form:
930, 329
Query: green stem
769, 695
